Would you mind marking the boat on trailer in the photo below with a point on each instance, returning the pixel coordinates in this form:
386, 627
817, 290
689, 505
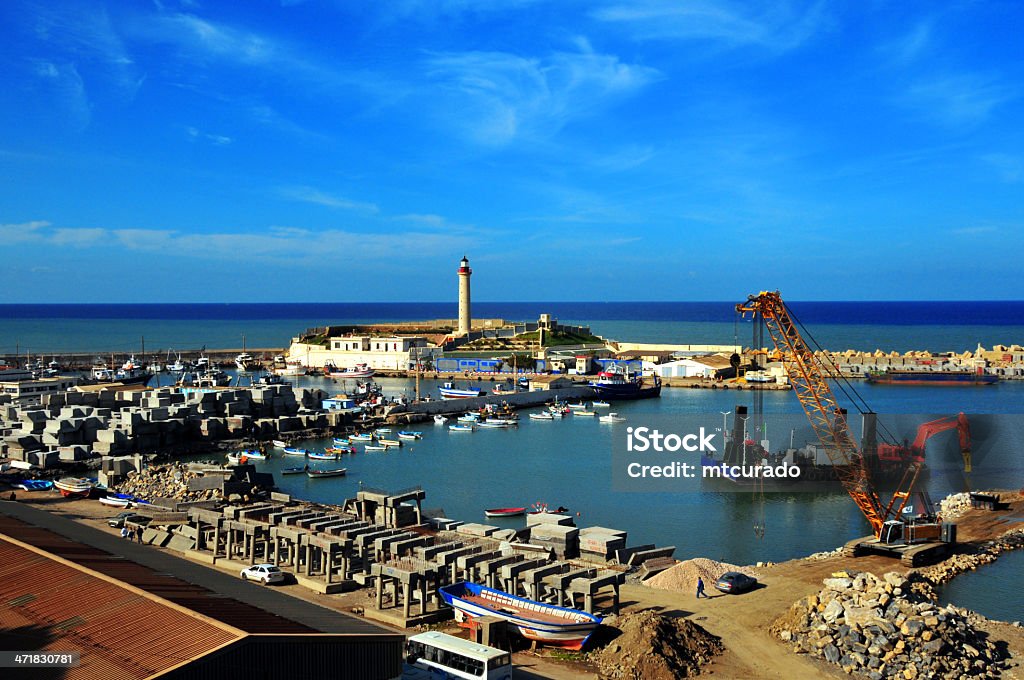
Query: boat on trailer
545, 623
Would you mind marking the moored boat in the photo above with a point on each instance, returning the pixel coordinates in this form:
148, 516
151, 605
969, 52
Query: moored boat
357, 371
469, 418
375, 447
279, 444
363, 437
449, 391
584, 412
294, 470
543, 415
327, 455
504, 512
612, 418
440, 420
600, 404
410, 435
577, 407
254, 454
614, 383
389, 442
490, 424
545, 623
319, 474
291, 451
341, 441
936, 378
460, 428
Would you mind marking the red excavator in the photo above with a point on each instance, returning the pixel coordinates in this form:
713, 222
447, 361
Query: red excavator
899, 453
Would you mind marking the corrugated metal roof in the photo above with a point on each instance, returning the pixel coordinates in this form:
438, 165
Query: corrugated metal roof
240, 615
119, 632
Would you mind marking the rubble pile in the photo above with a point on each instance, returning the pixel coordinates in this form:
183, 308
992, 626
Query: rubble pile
954, 505
987, 553
165, 481
655, 647
889, 627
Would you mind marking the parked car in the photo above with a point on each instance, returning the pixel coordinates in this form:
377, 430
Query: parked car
264, 573
735, 582
118, 520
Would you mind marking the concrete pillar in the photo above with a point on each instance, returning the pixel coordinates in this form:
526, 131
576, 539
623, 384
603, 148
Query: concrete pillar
423, 595
330, 563
615, 598
380, 592
406, 598
588, 603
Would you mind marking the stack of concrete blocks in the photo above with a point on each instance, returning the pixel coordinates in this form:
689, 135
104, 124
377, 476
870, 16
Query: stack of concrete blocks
563, 540
599, 544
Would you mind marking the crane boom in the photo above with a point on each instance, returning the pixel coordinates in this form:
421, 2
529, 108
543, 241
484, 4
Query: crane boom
809, 377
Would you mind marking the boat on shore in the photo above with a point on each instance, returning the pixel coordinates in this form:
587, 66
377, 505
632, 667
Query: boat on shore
505, 512
74, 487
117, 500
930, 378
33, 485
321, 474
544, 623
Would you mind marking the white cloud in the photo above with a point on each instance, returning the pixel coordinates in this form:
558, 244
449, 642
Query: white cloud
21, 232
305, 194
958, 98
78, 238
777, 26
497, 96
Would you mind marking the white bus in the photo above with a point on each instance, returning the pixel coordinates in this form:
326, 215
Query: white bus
437, 655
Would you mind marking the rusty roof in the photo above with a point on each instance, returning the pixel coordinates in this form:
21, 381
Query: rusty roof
226, 610
49, 604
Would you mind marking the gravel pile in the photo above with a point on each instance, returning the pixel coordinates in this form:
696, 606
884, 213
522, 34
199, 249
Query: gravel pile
889, 627
683, 576
655, 647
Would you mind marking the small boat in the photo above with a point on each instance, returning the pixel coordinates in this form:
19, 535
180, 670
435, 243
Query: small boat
294, 470
323, 456
469, 418
292, 451
505, 512
440, 420
34, 485
543, 415
612, 418
254, 454
491, 424
545, 623
584, 413
383, 430
357, 371
460, 428
279, 444
318, 474
375, 447
449, 391
341, 441
600, 404
117, 500
578, 407
74, 487
504, 421
410, 435
237, 458
364, 437
389, 442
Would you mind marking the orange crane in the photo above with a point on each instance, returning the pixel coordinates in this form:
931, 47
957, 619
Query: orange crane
912, 540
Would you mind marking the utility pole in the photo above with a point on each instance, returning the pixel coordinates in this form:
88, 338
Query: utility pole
417, 372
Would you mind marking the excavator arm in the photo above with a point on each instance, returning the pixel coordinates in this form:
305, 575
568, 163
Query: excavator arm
934, 427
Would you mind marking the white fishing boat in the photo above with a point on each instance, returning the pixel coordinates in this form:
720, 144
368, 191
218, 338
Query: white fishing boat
245, 362
279, 444
449, 391
460, 428
375, 447
440, 420
390, 442
545, 623
584, 412
410, 435
543, 415
361, 437
290, 451
117, 500
469, 418
490, 424
357, 371
600, 404
612, 418
578, 407
74, 487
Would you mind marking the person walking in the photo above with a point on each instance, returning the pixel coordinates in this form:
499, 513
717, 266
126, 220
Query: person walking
138, 534
700, 588
124, 532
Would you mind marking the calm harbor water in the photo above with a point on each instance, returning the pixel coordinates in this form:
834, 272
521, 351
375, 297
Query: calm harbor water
568, 462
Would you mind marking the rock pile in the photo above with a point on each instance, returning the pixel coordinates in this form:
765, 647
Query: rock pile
987, 553
655, 647
954, 505
165, 481
889, 627
683, 576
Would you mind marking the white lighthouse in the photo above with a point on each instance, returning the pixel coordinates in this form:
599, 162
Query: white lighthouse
465, 319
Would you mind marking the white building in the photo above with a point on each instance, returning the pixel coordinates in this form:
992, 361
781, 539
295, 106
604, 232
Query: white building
26, 392
695, 367
397, 353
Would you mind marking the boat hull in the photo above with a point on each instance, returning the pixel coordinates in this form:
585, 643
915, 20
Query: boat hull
932, 378
471, 600
448, 393
505, 512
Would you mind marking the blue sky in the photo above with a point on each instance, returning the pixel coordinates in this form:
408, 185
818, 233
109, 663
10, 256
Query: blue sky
622, 150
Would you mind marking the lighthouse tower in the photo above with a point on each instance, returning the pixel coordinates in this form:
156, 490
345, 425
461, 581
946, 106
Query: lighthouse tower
465, 319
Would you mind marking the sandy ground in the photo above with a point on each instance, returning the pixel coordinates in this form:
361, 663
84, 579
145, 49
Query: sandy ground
742, 621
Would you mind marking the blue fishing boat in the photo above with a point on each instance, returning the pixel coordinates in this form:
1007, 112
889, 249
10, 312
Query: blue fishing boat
323, 456
364, 437
460, 428
291, 451
545, 623
449, 391
34, 485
